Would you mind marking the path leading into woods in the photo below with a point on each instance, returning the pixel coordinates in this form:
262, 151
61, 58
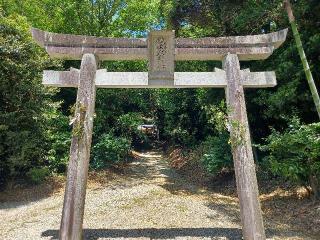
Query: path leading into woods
148, 201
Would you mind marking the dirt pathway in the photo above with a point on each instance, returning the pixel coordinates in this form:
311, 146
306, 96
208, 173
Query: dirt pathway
150, 201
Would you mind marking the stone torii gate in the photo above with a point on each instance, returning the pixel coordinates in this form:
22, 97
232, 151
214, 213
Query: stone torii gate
161, 49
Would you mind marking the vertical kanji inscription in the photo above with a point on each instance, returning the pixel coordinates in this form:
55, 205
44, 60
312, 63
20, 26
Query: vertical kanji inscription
161, 51
161, 57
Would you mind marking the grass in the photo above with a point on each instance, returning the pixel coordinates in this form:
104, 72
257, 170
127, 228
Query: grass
182, 208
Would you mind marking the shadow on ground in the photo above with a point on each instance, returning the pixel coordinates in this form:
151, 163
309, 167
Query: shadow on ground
155, 233
160, 233
12, 198
163, 233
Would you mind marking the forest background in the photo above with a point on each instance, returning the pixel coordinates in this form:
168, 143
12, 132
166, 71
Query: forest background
34, 120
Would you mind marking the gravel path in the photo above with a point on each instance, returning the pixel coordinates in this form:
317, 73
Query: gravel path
151, 201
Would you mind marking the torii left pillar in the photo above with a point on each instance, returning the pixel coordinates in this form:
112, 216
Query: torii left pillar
75, 193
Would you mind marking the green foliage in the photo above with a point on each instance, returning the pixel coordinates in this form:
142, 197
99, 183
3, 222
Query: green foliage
217, 115
217, 154
29, 120
33, 132
58, 136
38, 175
110, 150
292, 95
22, 99
99, 17
127, 124
217, 150
295, 153
180, 116
111, 104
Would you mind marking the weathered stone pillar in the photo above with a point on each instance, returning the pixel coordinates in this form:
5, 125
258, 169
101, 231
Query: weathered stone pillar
247, 186
74, 199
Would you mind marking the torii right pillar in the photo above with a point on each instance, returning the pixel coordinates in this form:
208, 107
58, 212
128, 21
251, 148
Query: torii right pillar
247, 186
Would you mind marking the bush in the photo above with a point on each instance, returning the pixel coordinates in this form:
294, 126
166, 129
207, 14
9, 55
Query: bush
181, 136
58, 135
295, 154
127, 126
110, 150
37, 175
180, 117
217, 153
30, 132
22, 100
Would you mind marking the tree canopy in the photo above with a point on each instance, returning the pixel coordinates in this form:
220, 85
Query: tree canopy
34, 127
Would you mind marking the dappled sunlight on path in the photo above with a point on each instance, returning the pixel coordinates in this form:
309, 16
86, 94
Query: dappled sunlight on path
149, 200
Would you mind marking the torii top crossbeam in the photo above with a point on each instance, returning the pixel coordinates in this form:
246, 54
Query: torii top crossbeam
68, 46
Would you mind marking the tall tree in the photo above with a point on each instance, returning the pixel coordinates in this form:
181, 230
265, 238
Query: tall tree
303, 57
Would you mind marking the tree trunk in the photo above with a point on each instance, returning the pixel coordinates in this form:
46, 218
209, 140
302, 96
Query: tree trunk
303, 57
